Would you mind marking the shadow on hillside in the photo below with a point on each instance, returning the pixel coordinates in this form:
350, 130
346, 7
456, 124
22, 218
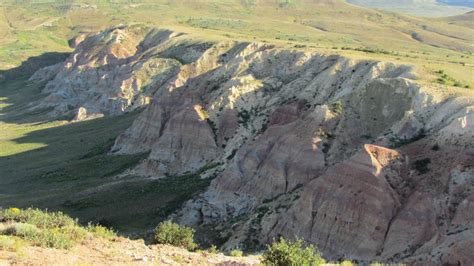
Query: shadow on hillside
44, 167
16, 92
43, 164
32, 64
71, 171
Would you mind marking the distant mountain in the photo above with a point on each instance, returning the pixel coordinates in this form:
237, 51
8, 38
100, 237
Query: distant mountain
426, 8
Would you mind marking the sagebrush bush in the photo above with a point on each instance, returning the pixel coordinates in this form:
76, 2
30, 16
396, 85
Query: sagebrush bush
39, 218
55, 238
171, 233
62, 238
287, 253
77, 233
48, 229
236, 253
27, 231
101, 231
346, 263
213, 250
6, 242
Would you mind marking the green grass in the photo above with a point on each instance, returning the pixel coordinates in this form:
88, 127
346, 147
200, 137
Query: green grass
143, 202
304, 24
38, 218
45, 229
55, 159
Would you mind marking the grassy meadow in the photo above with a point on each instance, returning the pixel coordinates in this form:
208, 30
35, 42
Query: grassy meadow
325, 26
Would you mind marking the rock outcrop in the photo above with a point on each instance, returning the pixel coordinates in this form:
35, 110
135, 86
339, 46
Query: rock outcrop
352, 202
352, 155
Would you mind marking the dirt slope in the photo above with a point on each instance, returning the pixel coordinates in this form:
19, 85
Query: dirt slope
120, 251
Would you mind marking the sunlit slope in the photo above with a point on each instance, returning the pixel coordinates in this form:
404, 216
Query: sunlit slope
4, 27
325, 25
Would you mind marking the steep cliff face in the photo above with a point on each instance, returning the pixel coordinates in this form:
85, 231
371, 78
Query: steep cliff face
351, 155
352, 202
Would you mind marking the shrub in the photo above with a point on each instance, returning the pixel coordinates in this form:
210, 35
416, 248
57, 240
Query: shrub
26, 231
42, 219
422, 165
101, 231
54, 238
42, 228
286, 253
6, 242
63, 238
236, 253
244, 116
202, 113
213, 249
173, 234
77, 233
442, 81
347, 263
337, 107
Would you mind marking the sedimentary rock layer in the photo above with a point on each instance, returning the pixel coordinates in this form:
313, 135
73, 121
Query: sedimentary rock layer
352, 155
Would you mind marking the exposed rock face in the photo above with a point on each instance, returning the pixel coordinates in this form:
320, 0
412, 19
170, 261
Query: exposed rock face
118, 71
351, 155
352, 202
185, 142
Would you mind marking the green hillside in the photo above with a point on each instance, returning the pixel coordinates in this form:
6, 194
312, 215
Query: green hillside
329, 26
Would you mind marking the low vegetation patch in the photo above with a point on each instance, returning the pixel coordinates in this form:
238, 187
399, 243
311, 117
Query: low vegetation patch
213, 249
284, 253
422, 165
337, 107
36, 217
101, 231
9, 243
171, 233
45, 229
236, 253
445, 79
347, 263
396, 142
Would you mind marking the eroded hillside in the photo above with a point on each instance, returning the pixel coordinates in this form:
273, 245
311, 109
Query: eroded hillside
352, 155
